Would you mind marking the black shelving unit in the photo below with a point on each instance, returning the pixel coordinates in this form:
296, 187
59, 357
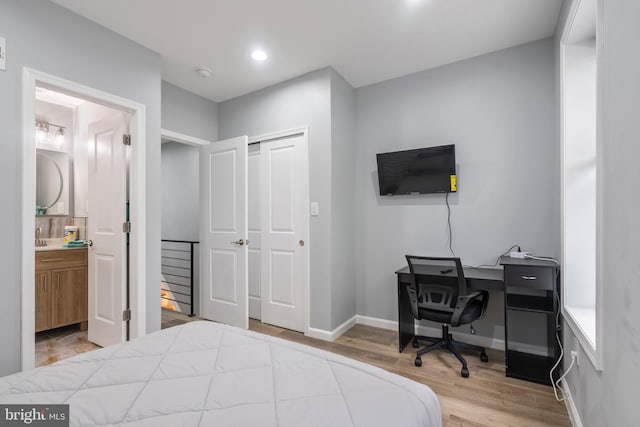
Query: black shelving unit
532, 297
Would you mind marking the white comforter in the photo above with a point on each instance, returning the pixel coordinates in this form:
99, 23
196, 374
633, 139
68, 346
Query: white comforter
207, 374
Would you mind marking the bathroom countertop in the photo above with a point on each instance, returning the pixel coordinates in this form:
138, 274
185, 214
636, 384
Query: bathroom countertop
55, 245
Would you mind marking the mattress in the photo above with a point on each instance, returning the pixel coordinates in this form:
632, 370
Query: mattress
208, 374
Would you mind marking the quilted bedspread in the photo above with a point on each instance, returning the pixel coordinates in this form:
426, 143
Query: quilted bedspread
208, 374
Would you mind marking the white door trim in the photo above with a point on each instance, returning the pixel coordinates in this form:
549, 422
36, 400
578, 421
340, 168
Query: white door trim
182, 138
30, 78
281, 134
304, 131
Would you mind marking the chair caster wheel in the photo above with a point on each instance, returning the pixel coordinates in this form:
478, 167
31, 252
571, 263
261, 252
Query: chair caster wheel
464, 372
484, 357
416, 344
418, 362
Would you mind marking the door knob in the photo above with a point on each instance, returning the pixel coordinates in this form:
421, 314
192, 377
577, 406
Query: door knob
238, 242
301, 242
90, 243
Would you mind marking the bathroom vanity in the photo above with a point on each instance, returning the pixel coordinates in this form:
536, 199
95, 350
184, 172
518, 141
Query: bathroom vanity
61, 287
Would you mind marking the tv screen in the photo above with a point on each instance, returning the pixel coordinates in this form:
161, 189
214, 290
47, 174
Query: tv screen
421, 171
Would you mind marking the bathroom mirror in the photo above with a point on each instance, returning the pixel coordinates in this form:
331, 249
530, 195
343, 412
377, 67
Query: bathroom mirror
52, 183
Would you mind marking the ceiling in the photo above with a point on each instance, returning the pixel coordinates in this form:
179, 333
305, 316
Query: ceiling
366, 41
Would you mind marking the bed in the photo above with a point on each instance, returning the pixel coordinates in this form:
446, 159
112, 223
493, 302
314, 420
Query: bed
208, 374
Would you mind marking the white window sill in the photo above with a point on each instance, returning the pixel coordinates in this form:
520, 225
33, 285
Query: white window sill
582, 322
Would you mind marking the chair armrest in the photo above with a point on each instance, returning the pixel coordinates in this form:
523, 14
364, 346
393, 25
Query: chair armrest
463, 302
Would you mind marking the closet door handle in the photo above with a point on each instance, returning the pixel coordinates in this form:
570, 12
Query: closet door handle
238, 242
58, 281
45, 284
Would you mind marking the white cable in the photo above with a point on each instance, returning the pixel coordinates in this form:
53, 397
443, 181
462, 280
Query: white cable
542, 258
556, 384
497, 259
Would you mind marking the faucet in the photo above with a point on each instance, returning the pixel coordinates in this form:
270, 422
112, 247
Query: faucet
39, 242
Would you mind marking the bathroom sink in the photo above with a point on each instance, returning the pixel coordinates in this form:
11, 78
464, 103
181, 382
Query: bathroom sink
55, 245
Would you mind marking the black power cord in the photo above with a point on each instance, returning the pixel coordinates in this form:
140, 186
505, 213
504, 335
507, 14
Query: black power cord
446, 200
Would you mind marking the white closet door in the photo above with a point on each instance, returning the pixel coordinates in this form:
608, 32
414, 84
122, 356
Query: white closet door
284, 246
107, 210
255, 226
223, 198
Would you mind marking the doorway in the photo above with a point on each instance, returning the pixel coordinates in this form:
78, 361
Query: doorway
180, 219
106, 261
255, 246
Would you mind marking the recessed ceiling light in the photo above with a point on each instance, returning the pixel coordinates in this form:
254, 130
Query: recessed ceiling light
259, 55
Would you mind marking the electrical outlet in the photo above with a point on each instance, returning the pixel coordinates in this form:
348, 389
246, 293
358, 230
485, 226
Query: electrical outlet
315, 209
3, 54
575, 354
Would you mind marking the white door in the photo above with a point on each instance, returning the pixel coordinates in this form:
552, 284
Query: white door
284, 232
223, 256
107, 213
255, 225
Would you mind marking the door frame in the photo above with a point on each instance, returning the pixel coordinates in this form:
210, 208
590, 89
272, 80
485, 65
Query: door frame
287, 133
192, 141
182, 138
31, 78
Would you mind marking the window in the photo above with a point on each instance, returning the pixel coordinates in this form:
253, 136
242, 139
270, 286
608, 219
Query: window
580, 201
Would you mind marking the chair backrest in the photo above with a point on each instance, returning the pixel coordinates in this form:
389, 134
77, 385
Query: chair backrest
436, 283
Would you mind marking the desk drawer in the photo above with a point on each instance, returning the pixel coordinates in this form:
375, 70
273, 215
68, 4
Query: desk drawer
529, 277
46, 260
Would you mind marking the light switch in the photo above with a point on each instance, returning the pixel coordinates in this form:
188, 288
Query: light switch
3, 54
315, 209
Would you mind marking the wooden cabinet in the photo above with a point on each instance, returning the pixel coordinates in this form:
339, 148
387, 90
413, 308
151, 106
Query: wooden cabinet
61, 288
43, 300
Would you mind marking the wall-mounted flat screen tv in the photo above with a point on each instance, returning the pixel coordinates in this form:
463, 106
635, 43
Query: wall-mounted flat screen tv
421, 171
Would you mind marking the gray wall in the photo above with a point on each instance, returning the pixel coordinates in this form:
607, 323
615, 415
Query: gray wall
301, 101
188, 113
609, 397
49, 38
180, 192
343, 142
499, 111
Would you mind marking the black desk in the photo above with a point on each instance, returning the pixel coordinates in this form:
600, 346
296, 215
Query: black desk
486, 279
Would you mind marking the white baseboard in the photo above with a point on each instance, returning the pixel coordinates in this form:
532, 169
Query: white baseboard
332, 335
320, 334
376, 322
392, 325
469, 338
574, 416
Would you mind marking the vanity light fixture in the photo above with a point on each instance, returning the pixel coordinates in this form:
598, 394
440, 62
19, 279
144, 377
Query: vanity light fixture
42, 129
59, 140
42, 132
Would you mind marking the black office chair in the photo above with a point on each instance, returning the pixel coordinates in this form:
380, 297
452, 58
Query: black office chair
439, 294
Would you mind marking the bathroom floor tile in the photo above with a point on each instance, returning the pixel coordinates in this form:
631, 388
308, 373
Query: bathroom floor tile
61, 343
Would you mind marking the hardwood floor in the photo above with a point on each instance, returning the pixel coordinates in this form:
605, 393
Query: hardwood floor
486, 398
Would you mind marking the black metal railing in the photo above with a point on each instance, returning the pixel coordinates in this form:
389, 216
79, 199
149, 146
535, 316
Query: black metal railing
177, 265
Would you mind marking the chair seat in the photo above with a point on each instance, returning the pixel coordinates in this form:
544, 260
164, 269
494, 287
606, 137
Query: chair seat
473, 312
